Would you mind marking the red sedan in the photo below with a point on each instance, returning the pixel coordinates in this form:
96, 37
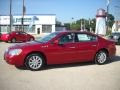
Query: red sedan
16, 36
0, 36
60, 48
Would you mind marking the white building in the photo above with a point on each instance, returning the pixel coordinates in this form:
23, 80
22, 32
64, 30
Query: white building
33, 24
116, 26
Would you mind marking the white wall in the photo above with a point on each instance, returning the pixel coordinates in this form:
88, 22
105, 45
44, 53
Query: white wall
41, 19
28, 20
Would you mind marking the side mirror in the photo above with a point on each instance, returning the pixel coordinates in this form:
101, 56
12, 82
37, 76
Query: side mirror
17, 33
56, 42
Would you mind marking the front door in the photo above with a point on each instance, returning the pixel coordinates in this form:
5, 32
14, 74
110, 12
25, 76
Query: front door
64, 52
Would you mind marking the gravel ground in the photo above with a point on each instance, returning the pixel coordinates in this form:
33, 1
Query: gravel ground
81, 76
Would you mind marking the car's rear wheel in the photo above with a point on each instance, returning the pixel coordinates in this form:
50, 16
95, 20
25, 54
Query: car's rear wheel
101, 57
31, 39
34, 61
13, 40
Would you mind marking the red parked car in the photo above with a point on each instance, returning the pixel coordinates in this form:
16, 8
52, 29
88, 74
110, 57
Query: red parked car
0, 36
60, 48
16, 36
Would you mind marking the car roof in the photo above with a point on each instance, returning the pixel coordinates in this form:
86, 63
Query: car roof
86, 32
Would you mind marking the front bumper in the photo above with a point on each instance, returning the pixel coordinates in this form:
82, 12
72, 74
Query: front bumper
17, 60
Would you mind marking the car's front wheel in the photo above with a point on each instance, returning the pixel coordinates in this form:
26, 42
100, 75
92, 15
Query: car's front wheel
34, 61
101, 57
31, 39
13, 40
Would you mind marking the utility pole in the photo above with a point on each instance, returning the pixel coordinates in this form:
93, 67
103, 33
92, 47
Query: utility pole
81, 26
107, 15
10, 15
84, 25
23, 13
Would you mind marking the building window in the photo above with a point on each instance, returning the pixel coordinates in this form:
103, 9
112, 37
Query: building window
26, 28
29, 29
5, 28
46, 28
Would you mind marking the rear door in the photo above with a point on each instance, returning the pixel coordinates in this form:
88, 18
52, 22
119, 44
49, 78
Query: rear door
22, 36
87, 46
17, 36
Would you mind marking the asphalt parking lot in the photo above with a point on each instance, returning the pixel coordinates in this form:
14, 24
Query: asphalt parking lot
80, 76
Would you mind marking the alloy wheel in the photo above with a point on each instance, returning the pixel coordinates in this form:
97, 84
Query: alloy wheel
101, 57
34, 61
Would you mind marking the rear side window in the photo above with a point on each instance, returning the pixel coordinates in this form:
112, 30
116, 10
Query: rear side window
84, 37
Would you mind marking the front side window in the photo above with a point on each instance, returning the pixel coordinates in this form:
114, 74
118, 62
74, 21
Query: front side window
66, 38
85, 37
46, 28
22, 33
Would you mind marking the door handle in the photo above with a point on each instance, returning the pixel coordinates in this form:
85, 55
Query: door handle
94, 45
71, 47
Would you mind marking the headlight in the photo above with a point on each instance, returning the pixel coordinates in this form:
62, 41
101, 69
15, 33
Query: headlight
15, 52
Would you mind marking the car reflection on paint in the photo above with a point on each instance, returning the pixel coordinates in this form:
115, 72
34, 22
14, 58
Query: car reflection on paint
60, 48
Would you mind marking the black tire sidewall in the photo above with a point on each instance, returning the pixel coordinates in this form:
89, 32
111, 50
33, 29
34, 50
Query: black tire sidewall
13, 40
31, 39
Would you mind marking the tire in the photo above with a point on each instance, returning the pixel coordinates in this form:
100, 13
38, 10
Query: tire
34, 62
31, 39
101, 57
119, 41
13, 40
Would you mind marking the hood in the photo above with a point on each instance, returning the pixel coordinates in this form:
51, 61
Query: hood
26, 44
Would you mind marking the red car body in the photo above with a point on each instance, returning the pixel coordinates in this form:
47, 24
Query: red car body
55, 52
16, 36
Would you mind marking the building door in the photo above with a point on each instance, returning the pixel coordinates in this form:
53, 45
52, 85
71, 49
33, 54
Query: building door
38, 30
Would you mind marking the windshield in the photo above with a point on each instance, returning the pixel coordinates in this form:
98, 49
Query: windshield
48, 37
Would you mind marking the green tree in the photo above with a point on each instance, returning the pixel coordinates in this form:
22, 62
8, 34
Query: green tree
109, 23
92, 24
110, 20
75, 26
58, 23
67, 25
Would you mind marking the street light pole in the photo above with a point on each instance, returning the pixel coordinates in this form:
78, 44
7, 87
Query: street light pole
10, 15
81, 26
23, 12
107, 15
